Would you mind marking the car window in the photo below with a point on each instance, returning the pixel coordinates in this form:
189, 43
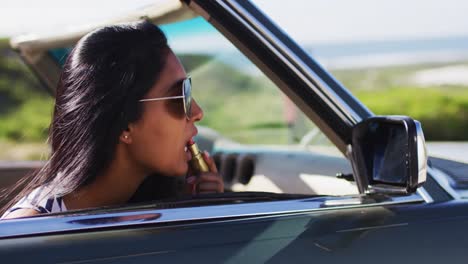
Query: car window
240, 102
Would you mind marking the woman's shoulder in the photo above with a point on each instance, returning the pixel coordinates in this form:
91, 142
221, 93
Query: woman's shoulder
39, 201
20, 212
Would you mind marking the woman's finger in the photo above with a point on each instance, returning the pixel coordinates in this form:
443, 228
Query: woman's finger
208, 187
191, 184
209, 181
210, 162
209, 177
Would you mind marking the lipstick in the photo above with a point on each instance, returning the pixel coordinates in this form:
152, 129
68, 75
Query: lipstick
197, 162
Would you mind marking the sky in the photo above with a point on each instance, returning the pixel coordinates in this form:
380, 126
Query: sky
312, 21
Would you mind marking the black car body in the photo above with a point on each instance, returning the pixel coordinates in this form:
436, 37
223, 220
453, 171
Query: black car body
384, 225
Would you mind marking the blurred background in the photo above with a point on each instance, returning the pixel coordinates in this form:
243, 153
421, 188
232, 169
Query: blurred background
397, 57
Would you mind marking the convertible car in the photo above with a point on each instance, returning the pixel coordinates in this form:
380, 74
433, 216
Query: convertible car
368, 194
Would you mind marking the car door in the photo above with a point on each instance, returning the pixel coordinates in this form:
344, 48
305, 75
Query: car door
323, 229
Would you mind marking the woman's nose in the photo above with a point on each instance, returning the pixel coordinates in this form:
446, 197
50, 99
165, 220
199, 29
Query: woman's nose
197, 112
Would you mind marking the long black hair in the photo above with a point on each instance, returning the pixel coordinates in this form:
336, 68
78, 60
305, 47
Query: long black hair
103, 78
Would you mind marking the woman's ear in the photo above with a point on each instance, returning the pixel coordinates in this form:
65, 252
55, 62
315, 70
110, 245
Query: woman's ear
126, 136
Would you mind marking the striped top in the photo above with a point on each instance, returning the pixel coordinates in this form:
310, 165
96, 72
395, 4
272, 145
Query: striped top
38, 200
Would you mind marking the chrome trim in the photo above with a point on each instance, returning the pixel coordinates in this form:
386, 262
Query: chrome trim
298, 65
425, 195
190, 215
422, 153
343, 202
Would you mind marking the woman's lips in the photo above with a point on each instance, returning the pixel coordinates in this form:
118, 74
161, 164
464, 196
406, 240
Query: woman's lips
188, 144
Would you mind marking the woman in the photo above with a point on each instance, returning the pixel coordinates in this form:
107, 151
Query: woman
122, 112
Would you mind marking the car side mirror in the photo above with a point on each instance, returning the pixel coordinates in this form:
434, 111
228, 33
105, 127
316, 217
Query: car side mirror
388, 155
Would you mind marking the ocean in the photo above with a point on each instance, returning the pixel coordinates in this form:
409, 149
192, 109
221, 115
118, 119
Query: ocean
394, 52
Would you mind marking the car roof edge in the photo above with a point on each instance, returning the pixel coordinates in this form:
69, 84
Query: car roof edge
161, 13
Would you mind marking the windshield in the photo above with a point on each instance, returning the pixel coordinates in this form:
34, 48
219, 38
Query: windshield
240, 102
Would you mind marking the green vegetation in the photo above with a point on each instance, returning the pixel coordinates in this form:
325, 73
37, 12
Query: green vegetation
248, 108
25, 107
27, 122
244, 107
442, 110
444, 115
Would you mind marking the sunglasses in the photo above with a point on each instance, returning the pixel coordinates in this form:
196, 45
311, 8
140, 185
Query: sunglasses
186, 97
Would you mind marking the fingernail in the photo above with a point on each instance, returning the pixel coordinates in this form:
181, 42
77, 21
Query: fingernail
206, 153
191, 180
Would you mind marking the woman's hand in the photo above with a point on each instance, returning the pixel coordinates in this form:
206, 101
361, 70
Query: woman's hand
205, 182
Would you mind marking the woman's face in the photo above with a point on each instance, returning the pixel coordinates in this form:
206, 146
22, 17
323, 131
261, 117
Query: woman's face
158, 139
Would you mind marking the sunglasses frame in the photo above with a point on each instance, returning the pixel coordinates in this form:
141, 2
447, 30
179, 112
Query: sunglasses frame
188, 112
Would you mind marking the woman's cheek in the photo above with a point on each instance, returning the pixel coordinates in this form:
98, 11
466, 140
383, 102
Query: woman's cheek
175, 108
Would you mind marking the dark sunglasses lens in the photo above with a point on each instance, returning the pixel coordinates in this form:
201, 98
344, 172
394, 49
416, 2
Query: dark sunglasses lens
187, 86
